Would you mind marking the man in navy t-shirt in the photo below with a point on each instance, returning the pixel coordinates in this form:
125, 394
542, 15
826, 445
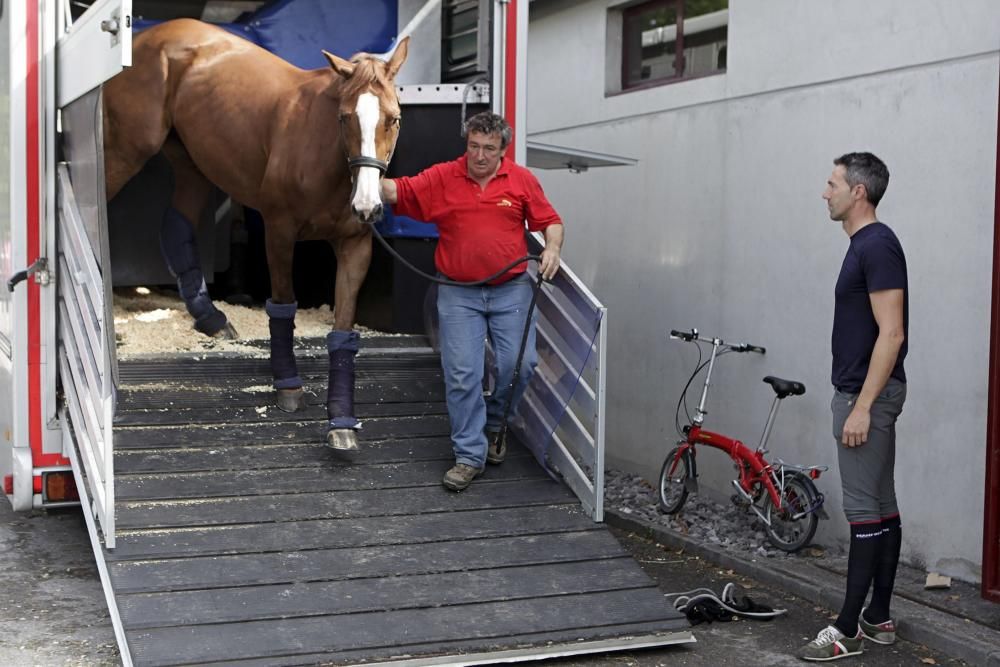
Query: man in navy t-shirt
869, 344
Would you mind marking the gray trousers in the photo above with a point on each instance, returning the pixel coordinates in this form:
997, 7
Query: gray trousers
866, 472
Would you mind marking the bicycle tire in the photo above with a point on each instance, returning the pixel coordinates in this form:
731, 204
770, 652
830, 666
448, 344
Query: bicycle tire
799, 494
672, 489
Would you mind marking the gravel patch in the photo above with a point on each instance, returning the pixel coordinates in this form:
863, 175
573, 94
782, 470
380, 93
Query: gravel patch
724, 526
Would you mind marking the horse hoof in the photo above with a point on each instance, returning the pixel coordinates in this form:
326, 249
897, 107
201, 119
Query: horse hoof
227, 332
342, 439
291, 400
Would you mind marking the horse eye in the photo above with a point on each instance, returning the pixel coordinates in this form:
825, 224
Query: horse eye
395, 121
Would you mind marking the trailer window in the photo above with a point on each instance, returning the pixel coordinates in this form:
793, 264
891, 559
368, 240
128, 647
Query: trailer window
465, 39
663, 41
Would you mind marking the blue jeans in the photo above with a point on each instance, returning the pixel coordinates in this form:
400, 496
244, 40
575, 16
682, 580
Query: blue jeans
467, 316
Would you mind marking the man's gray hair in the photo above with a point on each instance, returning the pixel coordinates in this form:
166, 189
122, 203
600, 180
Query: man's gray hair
486, 122
868, 170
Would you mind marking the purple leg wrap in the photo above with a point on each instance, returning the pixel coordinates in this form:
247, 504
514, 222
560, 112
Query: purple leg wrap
281, 321
180, 250
342, 345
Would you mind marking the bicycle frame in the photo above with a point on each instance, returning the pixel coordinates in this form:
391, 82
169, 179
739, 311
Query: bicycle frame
752, 466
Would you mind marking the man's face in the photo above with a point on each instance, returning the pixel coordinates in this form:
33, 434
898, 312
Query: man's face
839, 195
483, 153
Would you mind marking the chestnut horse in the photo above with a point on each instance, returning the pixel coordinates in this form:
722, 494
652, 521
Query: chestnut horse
305, 148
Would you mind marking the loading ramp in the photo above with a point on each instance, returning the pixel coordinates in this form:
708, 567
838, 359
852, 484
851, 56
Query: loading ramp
242, 540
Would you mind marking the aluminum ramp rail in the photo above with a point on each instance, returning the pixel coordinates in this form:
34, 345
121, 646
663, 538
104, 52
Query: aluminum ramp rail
243, 539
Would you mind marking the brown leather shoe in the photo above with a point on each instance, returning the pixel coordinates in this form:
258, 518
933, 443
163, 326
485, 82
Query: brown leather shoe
460, 476
497, 451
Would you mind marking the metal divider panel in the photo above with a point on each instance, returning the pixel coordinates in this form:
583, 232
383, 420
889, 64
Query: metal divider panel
336, 564
245, 483
232, 393
227, 414
366, 595
335, 504
501, 622
267, 537
262, 457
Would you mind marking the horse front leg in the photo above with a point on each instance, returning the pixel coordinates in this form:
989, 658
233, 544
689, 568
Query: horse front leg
280, 308
354, 255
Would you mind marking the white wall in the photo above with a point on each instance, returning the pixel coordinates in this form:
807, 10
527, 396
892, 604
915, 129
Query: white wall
721, 226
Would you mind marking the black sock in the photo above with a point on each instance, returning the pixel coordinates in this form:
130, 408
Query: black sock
885, 570
860, 570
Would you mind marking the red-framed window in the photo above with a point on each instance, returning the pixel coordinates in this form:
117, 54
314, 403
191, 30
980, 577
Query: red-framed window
664, 41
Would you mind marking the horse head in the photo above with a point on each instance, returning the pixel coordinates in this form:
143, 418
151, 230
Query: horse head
369, 122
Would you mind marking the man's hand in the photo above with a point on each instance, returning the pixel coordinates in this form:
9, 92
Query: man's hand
550, 255
550, 262
856, 427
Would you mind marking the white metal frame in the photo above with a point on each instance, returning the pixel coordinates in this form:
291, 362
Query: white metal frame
21, 447
85, 357
572, 342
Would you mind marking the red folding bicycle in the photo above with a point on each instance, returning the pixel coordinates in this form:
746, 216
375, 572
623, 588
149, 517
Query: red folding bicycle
783, 496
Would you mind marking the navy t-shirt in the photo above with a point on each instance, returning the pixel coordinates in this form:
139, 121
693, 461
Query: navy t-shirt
874, 261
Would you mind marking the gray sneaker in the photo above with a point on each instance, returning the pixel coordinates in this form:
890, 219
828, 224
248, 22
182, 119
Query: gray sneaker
831, 644
460, 476
880, 633
497, 451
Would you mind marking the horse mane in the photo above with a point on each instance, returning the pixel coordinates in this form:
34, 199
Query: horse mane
368, 70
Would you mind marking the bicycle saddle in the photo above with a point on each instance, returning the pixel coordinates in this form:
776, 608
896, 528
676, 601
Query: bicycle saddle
785, 388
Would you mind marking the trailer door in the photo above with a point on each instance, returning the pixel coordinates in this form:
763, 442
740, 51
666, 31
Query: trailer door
96, 47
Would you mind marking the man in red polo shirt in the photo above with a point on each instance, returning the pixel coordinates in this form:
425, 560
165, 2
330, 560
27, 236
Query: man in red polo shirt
481, 204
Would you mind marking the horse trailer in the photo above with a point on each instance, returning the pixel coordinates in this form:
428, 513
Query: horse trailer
224, 532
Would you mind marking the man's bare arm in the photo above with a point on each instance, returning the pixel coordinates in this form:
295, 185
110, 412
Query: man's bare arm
887, 306
388, 190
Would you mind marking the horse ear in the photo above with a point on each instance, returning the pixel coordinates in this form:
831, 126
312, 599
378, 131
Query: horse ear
398, 56
342, 67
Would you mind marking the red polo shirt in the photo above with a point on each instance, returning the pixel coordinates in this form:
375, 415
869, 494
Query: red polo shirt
481, 230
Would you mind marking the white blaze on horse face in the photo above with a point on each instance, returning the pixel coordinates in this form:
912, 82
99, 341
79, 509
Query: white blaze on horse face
366, 191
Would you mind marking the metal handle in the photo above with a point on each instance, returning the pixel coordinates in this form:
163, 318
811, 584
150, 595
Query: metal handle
40, 267
110, 25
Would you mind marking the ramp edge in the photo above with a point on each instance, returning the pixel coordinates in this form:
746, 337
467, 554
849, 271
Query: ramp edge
69, 448
564, 650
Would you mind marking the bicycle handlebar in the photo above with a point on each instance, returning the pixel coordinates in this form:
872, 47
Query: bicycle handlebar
692, 335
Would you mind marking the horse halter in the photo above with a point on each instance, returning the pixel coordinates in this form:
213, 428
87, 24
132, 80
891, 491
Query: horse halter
364, 160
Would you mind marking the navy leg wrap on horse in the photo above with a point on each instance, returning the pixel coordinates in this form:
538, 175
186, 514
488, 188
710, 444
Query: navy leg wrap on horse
342, 345
281, 321
177, 242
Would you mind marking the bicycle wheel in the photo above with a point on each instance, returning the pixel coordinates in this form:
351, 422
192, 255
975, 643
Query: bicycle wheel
785, 532
673, 480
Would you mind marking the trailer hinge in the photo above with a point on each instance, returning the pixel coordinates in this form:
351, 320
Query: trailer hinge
39, 268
